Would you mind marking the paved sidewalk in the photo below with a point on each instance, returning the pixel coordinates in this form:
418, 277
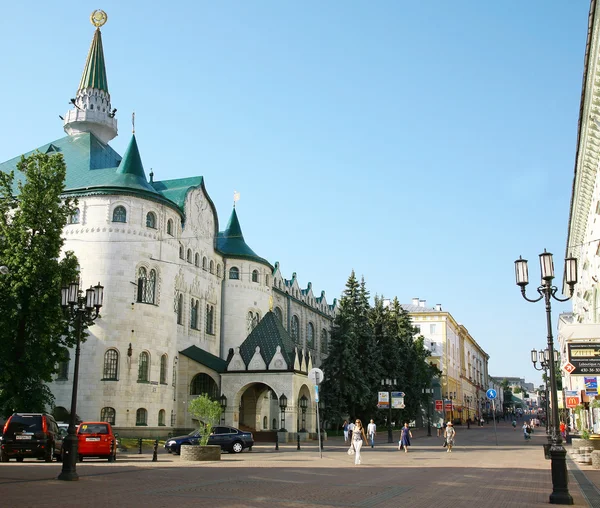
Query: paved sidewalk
477, 474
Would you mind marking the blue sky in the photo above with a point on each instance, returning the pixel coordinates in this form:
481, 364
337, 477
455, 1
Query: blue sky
426, 145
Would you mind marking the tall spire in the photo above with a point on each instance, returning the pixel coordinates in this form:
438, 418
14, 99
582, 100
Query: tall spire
92, 109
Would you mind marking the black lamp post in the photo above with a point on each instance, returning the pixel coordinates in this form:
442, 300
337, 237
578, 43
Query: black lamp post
303, 405
427, 392
560, 490
282, 407
388, 383
544, 359
223, 402
79, 310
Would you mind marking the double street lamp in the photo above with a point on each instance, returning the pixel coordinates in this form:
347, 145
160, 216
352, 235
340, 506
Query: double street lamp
80, 310
544, 359
428, 392
303, 405
560, 490
389, 383
223, 403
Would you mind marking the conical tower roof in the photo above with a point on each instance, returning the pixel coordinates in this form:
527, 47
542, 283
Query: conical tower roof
130, 172
231, 242
94, 72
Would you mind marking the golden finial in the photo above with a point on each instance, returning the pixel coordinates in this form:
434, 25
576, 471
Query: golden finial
133, 122
236, 197
270, 303
98, 18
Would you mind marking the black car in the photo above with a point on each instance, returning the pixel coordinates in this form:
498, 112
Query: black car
229, 439
31, 435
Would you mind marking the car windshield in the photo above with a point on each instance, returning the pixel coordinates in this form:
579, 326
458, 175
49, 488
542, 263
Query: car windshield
194, 433
93, 428
24, 423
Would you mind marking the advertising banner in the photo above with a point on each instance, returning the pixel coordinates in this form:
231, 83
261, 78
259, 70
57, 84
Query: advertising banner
439, 405
571, 398
398, 400
448, 405
591, 386
584, 358
383, 400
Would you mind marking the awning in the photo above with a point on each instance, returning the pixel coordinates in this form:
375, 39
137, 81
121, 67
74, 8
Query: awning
581, 331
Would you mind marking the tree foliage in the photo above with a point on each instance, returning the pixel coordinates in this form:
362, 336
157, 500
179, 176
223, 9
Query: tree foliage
34, 335
208, 413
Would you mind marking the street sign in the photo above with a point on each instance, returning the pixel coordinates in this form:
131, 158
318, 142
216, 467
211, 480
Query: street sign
448, 405
572, 402
591, 386
316, 393
383, 400
583, 358
398, 400
569, 368
439, 405
491, 394
315, 375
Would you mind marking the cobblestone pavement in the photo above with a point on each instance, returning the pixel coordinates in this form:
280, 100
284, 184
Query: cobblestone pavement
478, 473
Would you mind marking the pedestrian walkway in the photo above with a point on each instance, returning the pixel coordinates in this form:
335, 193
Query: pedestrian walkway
478, 474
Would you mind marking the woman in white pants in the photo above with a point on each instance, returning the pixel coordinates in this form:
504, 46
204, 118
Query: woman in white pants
358, 436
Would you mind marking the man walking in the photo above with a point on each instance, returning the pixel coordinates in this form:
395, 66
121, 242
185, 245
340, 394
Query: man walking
350, 428
371, 431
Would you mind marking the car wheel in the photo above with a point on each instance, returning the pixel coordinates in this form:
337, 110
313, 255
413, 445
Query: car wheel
237, 447
19, 459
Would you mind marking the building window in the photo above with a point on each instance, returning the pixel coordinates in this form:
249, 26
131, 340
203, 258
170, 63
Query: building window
172, 418
180, 309
234, 273
295, 331
253, 319
111, 365
161, 418
197, 259
417, 329
218, 270
189, 256
174, 377
151, 220
163, 369
74, 218
204, 260
210, 319
63, 368
170, 227
279, 314
254, 275
119, 214
141, 417
204, 384
310, 336
181, 252
146, 288
266, 280
194, 314
144, 367
432, 329
324, 341
211, 266
107, 414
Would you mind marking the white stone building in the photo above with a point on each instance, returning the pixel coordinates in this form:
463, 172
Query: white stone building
181, 297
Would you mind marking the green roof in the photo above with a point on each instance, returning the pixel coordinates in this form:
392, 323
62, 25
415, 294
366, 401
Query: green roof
205, 358
231, 242
268, 334
94, 72
176, 190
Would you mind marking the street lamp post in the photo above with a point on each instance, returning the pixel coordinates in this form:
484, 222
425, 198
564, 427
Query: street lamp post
303, 405
560, 489
282, 407
544, 358
223, 402
388, 383
80, 310
427, 392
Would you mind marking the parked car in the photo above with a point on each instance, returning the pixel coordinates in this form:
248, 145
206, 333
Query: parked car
229, 439
96, 439
31, 435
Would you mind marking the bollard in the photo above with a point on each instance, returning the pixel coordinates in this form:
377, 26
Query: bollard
298, 441
140, 445
322, 441
155, 454
276, 442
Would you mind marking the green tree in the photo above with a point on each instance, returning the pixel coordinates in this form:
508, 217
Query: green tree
34, 335
208, 413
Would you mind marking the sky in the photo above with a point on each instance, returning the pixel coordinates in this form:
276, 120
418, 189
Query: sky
425, 145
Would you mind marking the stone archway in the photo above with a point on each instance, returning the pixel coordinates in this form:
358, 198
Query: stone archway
256, 403
305, 417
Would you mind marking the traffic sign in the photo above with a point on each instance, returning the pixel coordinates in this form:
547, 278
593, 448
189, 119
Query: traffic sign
316, 393
569, 367
491, 394
439, 405
315, 375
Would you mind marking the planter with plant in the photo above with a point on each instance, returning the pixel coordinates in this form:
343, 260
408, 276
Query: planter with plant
208, 414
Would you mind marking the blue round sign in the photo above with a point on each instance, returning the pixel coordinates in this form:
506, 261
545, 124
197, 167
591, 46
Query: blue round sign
491, 394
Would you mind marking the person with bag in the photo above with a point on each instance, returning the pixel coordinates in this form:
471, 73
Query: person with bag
358, 437
345, 428
405, 436
450, 435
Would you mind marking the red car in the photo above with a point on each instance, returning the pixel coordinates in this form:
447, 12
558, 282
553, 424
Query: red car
96, 439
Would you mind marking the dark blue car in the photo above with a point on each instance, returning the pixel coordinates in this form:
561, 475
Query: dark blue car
229, 439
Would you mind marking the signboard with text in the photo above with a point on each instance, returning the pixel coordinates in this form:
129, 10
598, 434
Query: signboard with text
398, 400
591, 386
383, 400
439, 405
571, 398
584, 357
448, 405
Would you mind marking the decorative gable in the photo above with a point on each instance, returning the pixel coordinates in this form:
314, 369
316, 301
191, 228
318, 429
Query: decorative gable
257, 362
237, 362
296, 359
278, 361
309, 363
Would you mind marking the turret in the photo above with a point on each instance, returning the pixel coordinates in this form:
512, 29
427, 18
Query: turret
92, 111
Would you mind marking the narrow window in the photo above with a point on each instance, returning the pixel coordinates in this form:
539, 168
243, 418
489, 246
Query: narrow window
204, 267
144, 366
212, 266
210, 319
194, 314
161, 418
197, 259
254, 275
146, 286
219, 270
119, 214
107, 414
74, 218
295, 331
234, 273
172, 418
181, 252
180, 309
266, 280
170, 227
324, 345
151, 220
310, 336
63, 368
174, 378
163, 369
111, 365
189, 255
141, 417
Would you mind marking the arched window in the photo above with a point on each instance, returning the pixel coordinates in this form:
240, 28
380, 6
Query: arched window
197, 259
266, 280
204, 261
146, 288
111, 365
234, 273
63, 368
141, 417
189, 255
204, 384
212, 266
295, 329
279, 314
210, 319
174, 378
265, 423
274, 427
144, 367
180, 309
151, 220
170, 227
107, 414
74, 218
119, 214
254, 275
163, 369
194, 314
310, 336
219, 270
161, 418
250, 322
181, 252
324, 344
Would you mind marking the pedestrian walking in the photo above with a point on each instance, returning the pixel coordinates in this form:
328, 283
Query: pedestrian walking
371, 431
563, 430
350, 428
358, 436
345, 428
526, 431
405, 436
514, 424
439, 429
450, 435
